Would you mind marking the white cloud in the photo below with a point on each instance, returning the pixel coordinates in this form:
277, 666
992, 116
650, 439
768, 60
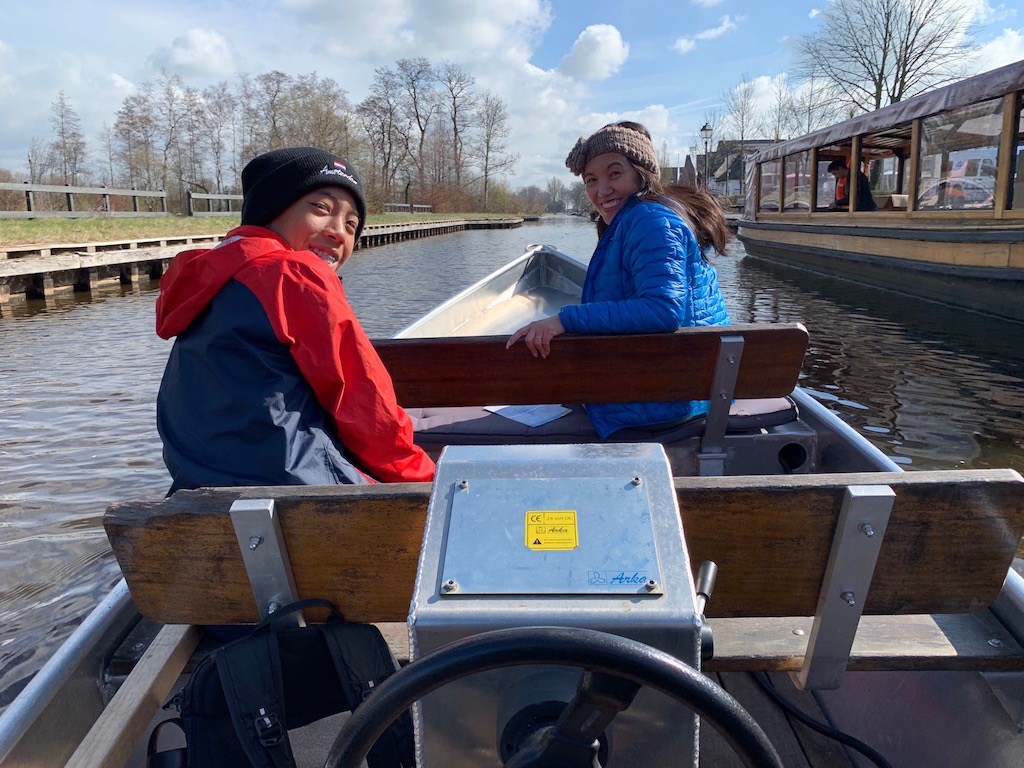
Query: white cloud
728, 24
598, 53
983, 13
387, 30
707, 3
1003, 50
197, 53
684, 45
814, 13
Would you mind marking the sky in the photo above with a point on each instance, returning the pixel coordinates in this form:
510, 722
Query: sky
563, 67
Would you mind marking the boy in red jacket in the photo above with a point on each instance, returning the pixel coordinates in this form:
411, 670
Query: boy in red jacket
272, 380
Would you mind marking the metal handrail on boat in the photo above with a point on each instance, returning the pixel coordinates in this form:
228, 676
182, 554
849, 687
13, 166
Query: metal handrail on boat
78, 650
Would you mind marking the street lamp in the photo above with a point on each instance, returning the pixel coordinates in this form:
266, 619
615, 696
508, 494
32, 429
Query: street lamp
705, 133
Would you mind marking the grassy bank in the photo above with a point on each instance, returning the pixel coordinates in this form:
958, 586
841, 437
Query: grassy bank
101, 229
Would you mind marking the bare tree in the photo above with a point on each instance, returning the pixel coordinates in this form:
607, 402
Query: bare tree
317, 113
577, 196
11, 200
384, 125
40, 161
218, 117
170, 103
814, 105
741, 117
69, 144
557, 194
878, 52
191, 157
266, 102
778, 121
420, 103
135, 130
459, 103
107, 142
492, 122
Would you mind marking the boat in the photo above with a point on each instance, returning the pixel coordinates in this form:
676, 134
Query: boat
878, 600
945, 175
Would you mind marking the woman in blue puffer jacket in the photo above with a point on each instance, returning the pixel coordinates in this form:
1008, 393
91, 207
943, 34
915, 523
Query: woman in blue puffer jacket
649, 273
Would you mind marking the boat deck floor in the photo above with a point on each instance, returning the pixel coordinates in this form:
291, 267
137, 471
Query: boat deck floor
798, 745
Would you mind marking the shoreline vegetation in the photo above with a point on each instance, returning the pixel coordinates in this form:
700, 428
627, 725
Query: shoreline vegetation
103, 229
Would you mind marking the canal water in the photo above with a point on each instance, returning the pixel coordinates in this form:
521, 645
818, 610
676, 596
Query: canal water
933, 387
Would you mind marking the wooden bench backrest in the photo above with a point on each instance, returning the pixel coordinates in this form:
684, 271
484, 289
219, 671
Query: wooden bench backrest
950, 540
591, 369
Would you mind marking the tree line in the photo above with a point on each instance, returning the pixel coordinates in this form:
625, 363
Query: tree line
425, 134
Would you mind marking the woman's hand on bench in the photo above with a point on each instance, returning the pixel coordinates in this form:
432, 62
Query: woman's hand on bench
538, 335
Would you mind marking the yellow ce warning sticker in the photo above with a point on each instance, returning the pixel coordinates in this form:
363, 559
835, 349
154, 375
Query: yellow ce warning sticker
551, 529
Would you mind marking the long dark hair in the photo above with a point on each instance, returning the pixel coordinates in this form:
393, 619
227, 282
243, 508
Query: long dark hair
698, 207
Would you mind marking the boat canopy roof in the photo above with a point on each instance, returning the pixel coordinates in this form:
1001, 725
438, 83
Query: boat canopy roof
988, 85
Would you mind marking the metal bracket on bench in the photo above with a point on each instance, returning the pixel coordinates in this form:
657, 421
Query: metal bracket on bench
851, 566
258, 529
711, 456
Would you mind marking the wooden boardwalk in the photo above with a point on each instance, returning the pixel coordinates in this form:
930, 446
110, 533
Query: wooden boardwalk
40, 271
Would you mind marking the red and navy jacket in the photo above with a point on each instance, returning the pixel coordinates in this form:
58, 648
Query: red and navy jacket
272, 380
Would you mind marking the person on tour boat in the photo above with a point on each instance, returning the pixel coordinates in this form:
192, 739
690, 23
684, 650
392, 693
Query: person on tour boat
271, 379
865, 200
649, 272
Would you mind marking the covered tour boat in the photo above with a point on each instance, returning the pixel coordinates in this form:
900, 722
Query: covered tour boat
944, 219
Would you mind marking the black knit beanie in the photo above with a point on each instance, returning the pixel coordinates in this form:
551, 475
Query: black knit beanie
274, 180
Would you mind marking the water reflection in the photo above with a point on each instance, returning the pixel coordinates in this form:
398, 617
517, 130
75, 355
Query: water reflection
935, 388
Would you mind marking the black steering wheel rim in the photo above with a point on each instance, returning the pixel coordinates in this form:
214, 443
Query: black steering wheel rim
563, 646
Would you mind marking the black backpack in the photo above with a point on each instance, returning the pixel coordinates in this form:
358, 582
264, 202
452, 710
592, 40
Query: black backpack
242, 699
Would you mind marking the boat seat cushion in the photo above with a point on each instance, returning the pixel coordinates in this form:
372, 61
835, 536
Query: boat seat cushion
438, 427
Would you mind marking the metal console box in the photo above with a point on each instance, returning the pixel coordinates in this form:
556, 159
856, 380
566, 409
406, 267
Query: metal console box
554, 535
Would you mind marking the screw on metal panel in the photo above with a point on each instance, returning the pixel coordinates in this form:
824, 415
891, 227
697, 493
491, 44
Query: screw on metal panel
463, 484
798, 632
637, 481
730, 359
450, 586
273, 607
255, 541
848, 596
651, 585
995, 642
867, 529
723, 395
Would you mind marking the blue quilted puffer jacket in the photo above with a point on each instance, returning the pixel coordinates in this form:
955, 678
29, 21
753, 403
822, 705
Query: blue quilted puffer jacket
647, 275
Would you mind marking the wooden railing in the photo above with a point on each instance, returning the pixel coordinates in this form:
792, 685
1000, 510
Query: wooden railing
73, 210
209, 198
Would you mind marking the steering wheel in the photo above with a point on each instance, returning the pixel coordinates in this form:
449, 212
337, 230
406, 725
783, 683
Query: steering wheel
615, 665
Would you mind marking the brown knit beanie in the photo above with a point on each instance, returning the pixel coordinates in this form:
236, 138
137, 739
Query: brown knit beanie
276, 179
614, 138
